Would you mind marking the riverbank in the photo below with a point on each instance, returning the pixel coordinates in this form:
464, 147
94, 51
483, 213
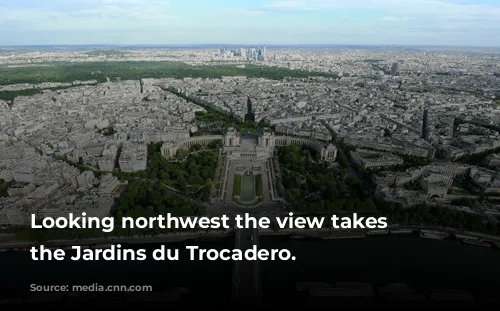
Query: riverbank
325, 234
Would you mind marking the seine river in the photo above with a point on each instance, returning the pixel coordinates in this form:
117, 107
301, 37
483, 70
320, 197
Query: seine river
377, 260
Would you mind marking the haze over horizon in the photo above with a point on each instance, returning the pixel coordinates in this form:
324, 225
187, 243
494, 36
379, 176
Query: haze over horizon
297, 22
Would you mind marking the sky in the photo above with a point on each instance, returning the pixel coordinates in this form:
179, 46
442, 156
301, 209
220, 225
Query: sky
370, 22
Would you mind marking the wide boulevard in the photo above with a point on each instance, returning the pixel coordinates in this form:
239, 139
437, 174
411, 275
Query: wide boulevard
246, 284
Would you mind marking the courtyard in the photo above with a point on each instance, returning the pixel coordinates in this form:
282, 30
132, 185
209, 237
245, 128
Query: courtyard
247, 182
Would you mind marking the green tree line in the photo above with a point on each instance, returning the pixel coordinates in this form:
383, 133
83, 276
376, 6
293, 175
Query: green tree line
134, 70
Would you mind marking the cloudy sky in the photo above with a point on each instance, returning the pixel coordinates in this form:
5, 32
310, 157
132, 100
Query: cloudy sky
433, 22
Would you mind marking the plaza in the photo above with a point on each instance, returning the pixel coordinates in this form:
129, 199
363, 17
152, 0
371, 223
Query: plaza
248, 177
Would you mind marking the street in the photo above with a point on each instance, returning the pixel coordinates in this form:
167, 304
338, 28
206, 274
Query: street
246, 274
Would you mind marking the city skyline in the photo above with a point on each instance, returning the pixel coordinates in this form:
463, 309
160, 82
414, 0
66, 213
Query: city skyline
130, 22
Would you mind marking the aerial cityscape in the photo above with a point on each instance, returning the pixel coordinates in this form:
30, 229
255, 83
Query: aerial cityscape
407, 128
410, 134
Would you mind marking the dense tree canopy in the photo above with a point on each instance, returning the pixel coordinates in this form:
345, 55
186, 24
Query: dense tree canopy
318, 187
3, 188
130, 70
145, 199
191, 173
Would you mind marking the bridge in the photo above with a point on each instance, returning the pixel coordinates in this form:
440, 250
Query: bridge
246, 283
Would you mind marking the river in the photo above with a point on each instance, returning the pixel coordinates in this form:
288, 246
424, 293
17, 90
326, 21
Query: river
376, 260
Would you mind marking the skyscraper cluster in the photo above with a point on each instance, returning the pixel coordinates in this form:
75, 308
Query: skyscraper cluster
258, 54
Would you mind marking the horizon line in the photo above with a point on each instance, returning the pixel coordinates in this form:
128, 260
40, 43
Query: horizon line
248, 44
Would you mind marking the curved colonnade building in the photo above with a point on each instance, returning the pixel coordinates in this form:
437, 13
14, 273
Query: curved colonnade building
266, 142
